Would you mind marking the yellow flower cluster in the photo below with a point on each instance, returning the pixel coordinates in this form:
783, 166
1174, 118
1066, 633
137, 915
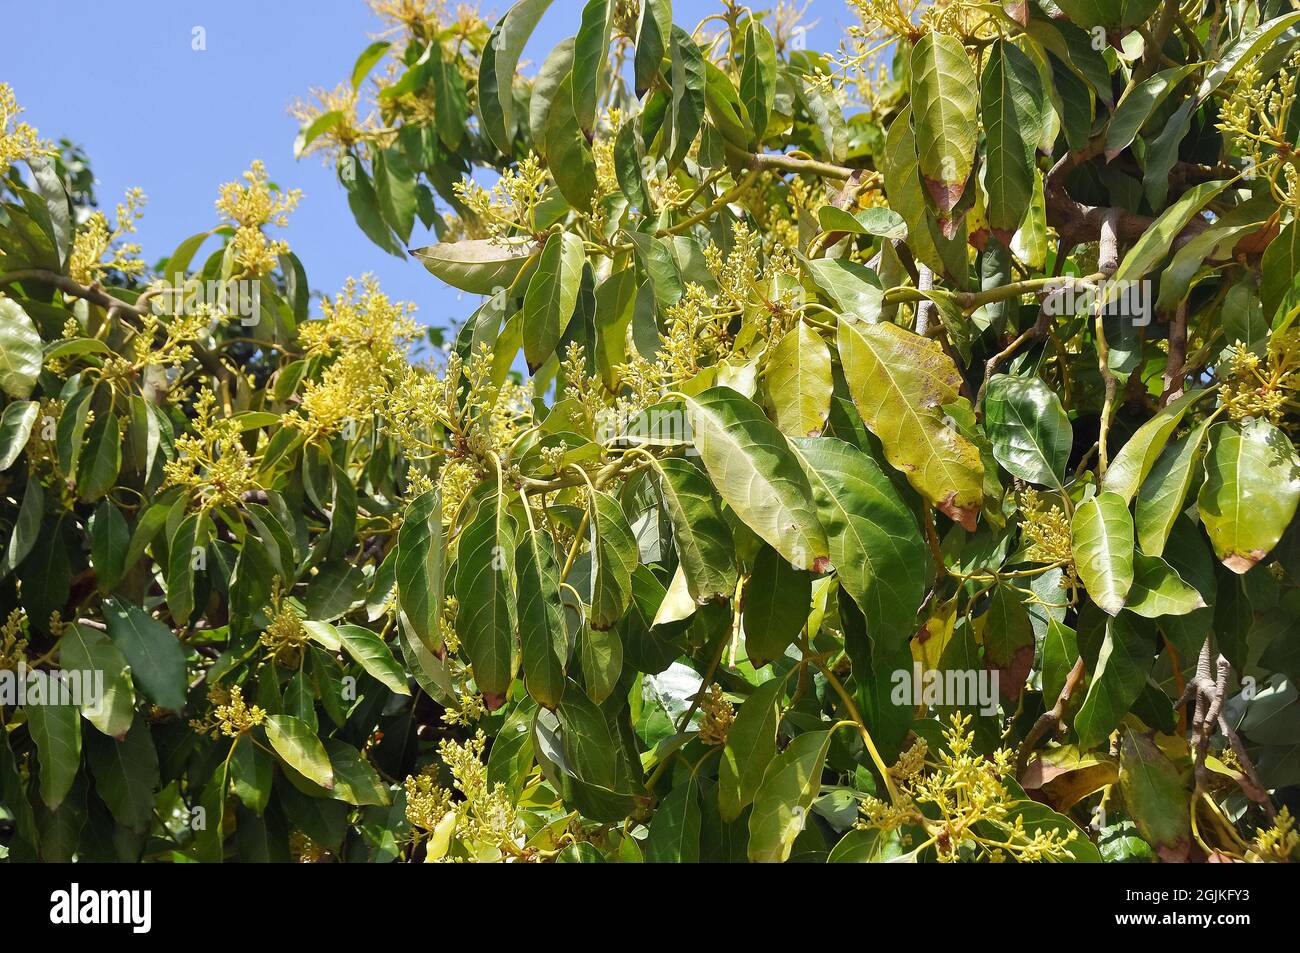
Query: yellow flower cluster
1046, 529
508, 208
13, 647
251, 207
344, 133
969, 811
285, 639
18, 140
426, 803
717, 716
211, 462
368, 334
231, 716
1256, 116
485, 822
1261, 387
469, 708
94, 239
1279, 844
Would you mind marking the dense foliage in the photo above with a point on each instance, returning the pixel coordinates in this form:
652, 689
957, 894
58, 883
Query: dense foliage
903, 467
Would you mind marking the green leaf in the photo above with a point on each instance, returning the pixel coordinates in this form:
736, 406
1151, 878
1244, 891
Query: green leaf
478, 265
1116, 681
1154, 794
421, 559
373, 655
687, 80
299, 748
600, 655
651, 42
900, 383
614, 555
674, 836
1008, 640
84, 649
497, 68
1161, 497
944, 112
798, 382
590, 57
395, 190
15, 428
541, 618
877, 221
853, 287
1030, 433
758, 76
371, 55
1154, 244
875, 543
126, 774
756, 473
705, 548
1158, 590
56, 729
156, 658
791, 783
1102, 542
552, 296
1252, 485
775, 607
906, 194
485, 619
180, 567
568, 151
355, 781
1137, 105
750, 748
102, 460
1136, 458
20, 351
555, 70
1013, 109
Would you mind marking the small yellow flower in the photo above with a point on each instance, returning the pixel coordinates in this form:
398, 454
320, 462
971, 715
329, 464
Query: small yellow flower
18, 140
251, 207
718, 715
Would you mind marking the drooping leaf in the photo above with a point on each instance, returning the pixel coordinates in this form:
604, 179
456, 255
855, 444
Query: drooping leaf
1102, 541
552, 296
156, 658
945, 101
702, 538
542, 630
1116, 680
756, 473
781, 805
485, 619
1251, 488
798, 381
421, 555
497, 67
900, 383
750, 748
1030, 433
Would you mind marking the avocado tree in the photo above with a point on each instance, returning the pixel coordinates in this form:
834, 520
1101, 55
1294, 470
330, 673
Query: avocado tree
874, 454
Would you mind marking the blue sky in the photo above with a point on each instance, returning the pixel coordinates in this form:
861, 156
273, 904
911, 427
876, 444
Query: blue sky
123, 80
